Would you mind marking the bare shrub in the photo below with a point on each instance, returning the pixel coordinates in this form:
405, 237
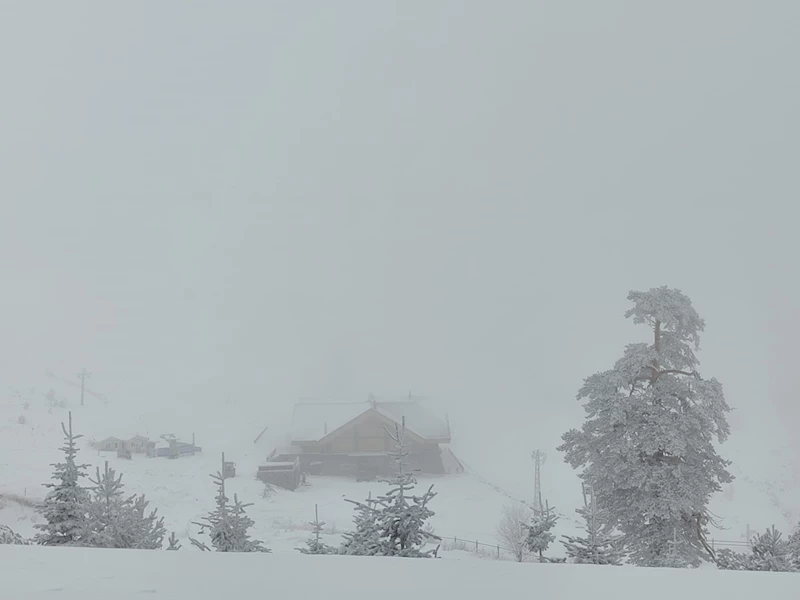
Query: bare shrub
512, 533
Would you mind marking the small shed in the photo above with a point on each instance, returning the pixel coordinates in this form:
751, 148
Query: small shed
281, 474
137, 444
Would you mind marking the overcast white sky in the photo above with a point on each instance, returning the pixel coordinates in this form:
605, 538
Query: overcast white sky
276, 199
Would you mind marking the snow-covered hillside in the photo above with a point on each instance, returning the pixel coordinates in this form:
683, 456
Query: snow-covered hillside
88, 574
468, 507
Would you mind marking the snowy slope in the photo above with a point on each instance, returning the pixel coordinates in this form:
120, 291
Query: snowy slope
36, 573
766, 491
466, 507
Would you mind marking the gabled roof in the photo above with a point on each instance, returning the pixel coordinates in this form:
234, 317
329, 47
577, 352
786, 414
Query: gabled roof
313, 421
109, 439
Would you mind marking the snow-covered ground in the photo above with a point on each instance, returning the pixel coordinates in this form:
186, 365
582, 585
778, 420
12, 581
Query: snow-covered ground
468, 507
35, 573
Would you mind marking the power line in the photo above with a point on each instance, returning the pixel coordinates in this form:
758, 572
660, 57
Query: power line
538, 460
82, 376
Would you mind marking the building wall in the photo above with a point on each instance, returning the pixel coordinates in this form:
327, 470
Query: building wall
110, 445
369, 436
138, 446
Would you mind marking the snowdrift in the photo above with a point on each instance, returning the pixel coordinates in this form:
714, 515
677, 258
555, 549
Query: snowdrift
32, 573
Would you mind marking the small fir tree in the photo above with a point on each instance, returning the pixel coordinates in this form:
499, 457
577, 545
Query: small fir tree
394, 523
768, 552
365, 539
599, 546
679, 554
794, 548
771, 552
539, 536
314, 545
174, 544
66, 505
118, 522
403, 516
228, 524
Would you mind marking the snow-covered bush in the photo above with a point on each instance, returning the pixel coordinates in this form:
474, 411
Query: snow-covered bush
511, 530
7, 536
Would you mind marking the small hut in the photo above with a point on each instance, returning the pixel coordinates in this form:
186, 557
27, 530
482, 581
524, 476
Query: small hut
137, 444
109, 444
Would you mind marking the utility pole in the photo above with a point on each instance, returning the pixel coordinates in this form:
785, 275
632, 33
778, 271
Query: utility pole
82, 376
538, 460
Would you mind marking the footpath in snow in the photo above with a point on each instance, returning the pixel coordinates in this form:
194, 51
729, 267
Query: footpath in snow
34, 573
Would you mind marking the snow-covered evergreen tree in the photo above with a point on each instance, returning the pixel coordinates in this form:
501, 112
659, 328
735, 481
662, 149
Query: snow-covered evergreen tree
403, 516
228, 524
648, 440
8, 536
600, 546
768, 552
539, 536
771, 552
365, 539
794, 548
66, 505
394, 523
174, 544
118, 522
314, 544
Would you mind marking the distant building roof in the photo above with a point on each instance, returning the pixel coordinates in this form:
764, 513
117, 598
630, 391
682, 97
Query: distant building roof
312, 421
109, 439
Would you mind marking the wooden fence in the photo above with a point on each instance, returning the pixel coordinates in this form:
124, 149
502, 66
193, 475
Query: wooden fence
497, 551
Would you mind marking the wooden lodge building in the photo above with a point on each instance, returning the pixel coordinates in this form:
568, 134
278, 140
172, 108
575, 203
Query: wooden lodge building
352, 439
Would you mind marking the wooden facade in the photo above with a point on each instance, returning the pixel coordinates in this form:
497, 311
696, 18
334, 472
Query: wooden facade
361, 446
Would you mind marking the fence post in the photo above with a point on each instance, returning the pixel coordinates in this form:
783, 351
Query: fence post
498, 551
476, 546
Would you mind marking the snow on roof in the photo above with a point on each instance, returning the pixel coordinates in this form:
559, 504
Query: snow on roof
418, 420
312, 421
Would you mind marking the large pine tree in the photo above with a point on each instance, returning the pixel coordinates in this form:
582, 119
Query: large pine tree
66, 506
647, 444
